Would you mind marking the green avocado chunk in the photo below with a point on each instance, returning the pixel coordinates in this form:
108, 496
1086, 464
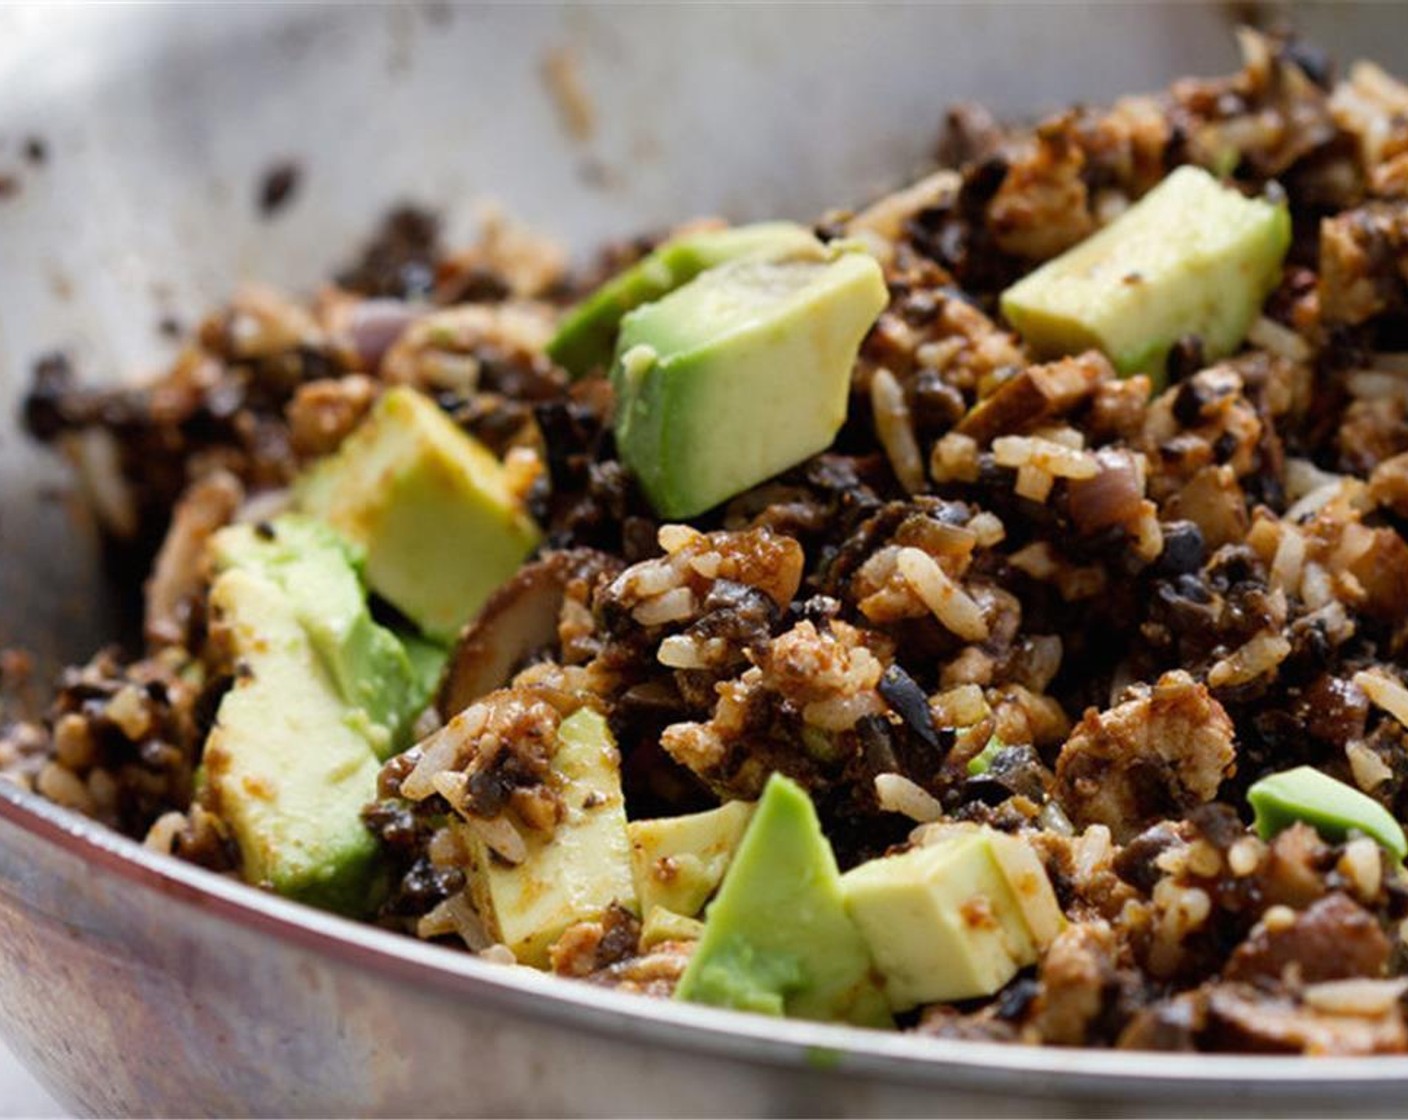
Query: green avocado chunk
286, 764
587, 335
1330, 807
955, 919
981, 762
430, 506
1192, 257
577, 873
428, 660
678, 862
318, 571
740, 374
777, 938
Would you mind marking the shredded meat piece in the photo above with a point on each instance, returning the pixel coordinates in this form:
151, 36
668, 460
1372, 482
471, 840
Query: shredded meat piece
1036, 393
1078, 982
810, 683
1242, 1018
655, 973
1042, 207
1162, 753
445, 351
1333, 939
1364, 263
589, 947
178, 573
322, 413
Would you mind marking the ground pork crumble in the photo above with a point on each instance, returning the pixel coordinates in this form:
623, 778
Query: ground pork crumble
1134, 603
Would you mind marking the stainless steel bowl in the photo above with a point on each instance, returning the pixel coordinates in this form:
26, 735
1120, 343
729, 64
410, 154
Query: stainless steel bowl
132, 984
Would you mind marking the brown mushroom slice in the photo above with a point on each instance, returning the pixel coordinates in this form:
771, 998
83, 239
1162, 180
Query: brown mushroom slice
177, 574
519, 620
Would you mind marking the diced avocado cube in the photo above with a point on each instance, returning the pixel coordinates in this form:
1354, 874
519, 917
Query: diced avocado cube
579, 871
678, 862
284, 765
665, 925
585, 339
1030, 886
317, 570
430, 506
941, 921
428, 660
1330, 807
777, 939
740, 374
1192, 257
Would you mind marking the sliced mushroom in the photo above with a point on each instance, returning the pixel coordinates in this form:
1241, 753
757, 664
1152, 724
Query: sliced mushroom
519, 620
177, 575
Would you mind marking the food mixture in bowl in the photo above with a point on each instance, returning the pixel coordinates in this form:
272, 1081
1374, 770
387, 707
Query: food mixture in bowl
980, 614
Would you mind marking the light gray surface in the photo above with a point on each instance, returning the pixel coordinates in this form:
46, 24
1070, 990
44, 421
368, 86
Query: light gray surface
20, 1094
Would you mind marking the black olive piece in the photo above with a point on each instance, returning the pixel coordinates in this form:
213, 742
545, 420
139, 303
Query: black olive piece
1313, 62
1192, 588
1185, 358
1184, 549
1188, 404
908, 701
44, 407
877, 741
1016, 998
1224, 447
819, 610
1013, 770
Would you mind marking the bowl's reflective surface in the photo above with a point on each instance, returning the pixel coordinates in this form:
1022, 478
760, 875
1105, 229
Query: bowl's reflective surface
20, 1094
137, 985
134, 985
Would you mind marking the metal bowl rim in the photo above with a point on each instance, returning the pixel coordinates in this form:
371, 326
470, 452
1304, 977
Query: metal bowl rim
725, 1033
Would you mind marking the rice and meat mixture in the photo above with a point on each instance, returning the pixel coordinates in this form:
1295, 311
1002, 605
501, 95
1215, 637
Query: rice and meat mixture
1138, 602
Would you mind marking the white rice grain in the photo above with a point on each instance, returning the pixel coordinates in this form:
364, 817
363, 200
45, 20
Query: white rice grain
1361, 866
1259, 656
1360, 997
1281, 341
672, 606
680, 652
895, 429
1289, 561
950, 604
447, 749
672, 538
955, 459
897, 794
455, 915
987, 529
1384, 692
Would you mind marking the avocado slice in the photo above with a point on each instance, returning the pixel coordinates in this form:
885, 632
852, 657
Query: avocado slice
429, 505
777, 938
428, 660
1192, 257
660, 925
1332, 808
587, 334
579, 871
740, 374
944, 921
318, 571
678, 862
285, 765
